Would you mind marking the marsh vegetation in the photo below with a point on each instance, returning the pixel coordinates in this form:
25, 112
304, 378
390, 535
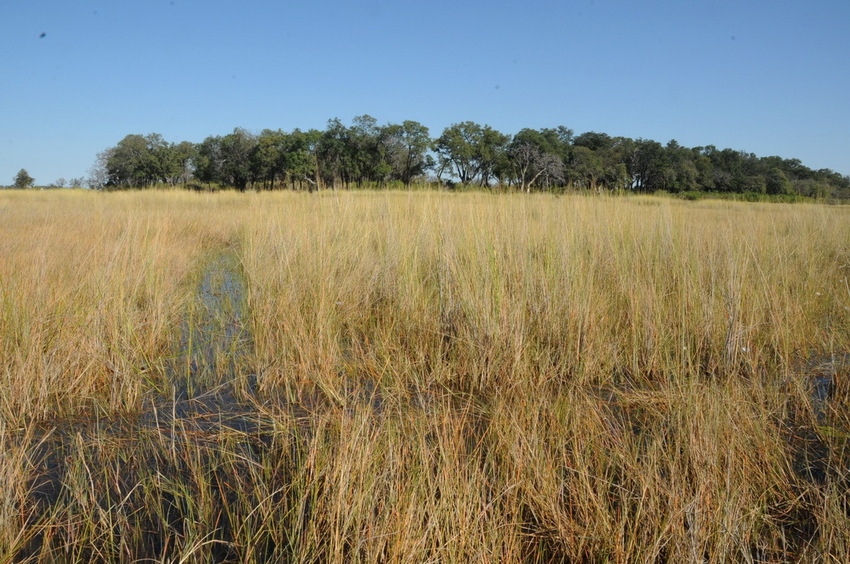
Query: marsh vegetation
372, 376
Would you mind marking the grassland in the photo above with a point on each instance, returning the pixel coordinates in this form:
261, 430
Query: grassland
422, 377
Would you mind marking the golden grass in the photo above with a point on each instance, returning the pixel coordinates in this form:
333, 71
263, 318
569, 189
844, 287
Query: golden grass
90, 293
439, 377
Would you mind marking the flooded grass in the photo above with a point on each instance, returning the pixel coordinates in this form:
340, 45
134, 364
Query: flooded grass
215, 348
422, 377
181, 461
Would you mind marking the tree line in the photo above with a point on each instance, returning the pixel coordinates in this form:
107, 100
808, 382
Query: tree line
366, 154
22, 180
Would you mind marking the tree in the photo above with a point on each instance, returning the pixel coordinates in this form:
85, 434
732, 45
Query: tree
130, 163
585, 168
183, 154
778, 183
457, 148
646, 166
492, 153
355, 154
167, 164
267, 157
473, 151
593, 141
298, 158
208, 160
333, 153
535, 159
140, 161
236, 151
406, 148
704, 168
23, 179
680, 168
367, 151
98, 176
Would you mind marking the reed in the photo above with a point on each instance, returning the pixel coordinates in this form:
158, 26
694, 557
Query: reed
423, 376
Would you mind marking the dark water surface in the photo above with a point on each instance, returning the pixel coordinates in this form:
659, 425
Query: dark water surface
216, 345
204, 427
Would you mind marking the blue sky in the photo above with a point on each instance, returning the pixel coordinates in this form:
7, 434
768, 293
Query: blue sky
768, 77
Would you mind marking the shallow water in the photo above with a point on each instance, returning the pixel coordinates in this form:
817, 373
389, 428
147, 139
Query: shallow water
216, 345
822, 371
208, 400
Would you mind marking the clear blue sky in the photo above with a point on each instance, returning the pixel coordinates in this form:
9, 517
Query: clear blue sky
769, 77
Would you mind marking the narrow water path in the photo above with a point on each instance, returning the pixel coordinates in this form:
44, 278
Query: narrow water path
202, 416
211, 378
214, 355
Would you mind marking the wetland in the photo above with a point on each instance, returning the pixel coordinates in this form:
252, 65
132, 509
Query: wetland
393, 376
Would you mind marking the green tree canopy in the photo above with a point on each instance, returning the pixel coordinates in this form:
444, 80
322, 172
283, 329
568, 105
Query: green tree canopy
140, 161
366, 153
536, 159
23, 179
472, 151
406, 150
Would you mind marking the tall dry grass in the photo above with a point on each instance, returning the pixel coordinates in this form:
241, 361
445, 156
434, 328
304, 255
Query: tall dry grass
91, 290
440, 377
589, 378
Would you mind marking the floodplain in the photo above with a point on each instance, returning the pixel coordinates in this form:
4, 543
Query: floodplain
422, 377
